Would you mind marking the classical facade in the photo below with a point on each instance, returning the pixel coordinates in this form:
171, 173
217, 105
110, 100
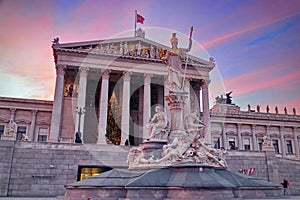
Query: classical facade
118, 82
31, 117
106, 92
245, 130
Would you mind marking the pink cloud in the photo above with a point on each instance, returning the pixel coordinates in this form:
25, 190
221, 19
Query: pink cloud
279, 11
261, 79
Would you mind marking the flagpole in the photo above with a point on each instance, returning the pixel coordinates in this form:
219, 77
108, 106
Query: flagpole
135, 23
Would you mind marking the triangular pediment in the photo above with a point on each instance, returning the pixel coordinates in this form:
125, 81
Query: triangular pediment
127, 47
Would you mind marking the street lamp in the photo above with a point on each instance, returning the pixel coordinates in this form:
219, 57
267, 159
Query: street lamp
79, 111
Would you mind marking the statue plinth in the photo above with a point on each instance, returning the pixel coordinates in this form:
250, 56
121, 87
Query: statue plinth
153, 147
9, 137
176, 101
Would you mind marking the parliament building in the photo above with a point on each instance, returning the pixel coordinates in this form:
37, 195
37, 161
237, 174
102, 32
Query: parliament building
106, 92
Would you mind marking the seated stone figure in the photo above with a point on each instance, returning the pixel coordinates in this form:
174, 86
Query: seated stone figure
158, 123
193, 123
11, 129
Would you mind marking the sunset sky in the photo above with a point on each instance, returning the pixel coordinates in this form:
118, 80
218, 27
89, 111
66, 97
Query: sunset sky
256, 43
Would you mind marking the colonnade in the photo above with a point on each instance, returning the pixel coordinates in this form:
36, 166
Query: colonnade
103, 102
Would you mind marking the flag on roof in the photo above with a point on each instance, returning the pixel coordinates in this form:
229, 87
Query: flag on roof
139, 18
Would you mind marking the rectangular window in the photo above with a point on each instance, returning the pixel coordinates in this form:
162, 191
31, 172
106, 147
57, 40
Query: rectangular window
216, 141
260, 143
2, 127
20, 131
232, 143
246, 144
289, 146
42, 136
276, 146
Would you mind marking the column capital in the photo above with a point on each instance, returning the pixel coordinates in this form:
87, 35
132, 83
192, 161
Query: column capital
126, 75
187, 82
165, 80
281, 128
239, 125
205, 83
83, 71
147, 78
34, 112
13, 110
60, 69
105, 73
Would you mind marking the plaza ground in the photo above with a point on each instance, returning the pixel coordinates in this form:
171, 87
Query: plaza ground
53, 198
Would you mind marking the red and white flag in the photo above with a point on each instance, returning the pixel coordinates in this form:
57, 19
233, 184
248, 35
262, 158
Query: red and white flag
139, 18
251, 171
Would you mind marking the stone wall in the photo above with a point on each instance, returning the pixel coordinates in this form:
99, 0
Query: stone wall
290, 169
42, 169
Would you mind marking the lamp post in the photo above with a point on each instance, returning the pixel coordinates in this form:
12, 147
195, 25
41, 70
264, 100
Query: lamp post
79, 111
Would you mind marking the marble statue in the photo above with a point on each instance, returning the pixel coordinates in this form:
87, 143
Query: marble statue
193, 123
158, 124
157, 53
11, 129
121, 50
184, 142
138, 48
152, 52
173, 60
126, 49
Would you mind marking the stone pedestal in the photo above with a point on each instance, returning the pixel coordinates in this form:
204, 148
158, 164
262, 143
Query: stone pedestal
8, 137
176, 101
153, 147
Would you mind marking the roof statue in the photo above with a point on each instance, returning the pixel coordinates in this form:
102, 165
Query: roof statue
181, 141
223, 100
228, 98
55, 41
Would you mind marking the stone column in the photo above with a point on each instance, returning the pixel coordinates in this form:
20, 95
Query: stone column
187, 105
83, 72
224, 140
200, 100
240, 142
296, 142
254, 142
206, 113
197, 101
32, 126
103, 107
166, 92
12, 113
125, 108
57, 104
282, 142
147, 104
176, 103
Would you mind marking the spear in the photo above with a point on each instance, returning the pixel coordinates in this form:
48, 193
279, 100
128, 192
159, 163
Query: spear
186, 60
